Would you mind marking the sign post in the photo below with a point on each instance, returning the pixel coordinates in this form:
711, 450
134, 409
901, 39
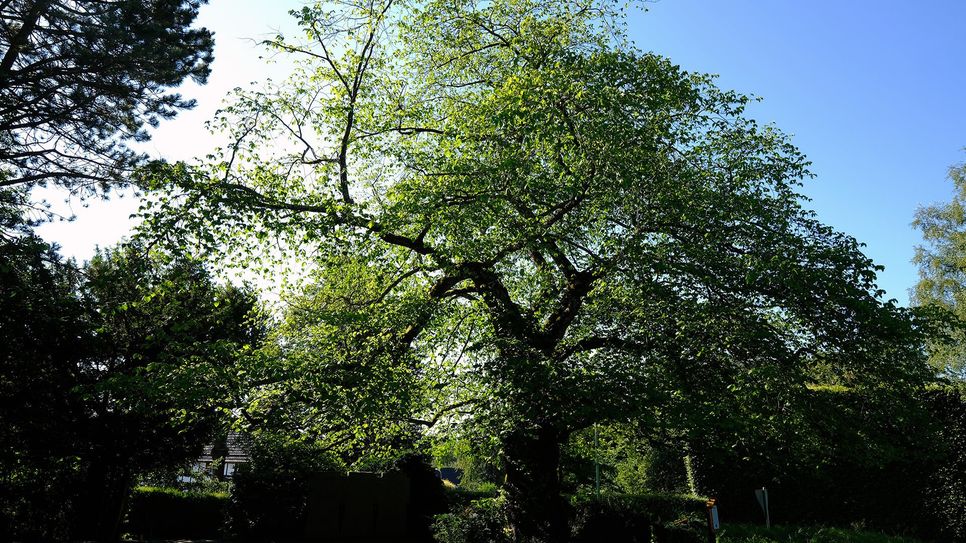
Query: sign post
762, 495
713, 523
596, 466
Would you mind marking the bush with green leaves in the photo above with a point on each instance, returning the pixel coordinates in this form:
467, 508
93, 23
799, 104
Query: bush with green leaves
481, 521
625, 459
193, 478
946, 495
170, 513
747, 533
460, 497
641, 518
476, 458
853, 457
271, 492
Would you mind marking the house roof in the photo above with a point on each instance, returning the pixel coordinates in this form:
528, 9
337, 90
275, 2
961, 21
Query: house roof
234, 448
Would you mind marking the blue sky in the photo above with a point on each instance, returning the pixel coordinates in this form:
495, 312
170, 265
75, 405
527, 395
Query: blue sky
873, 92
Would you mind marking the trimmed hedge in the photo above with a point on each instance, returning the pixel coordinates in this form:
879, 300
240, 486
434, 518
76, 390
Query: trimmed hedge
169, 513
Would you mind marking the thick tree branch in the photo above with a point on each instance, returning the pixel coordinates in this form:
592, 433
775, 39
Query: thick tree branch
568, 307
18, 42
593, 343
442, 413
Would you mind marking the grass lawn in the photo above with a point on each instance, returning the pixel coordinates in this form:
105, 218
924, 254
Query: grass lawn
747, 533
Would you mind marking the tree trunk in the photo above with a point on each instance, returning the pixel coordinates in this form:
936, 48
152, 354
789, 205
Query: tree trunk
102, 502
535, 507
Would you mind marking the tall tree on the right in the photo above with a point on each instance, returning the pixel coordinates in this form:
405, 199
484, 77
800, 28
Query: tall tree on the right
942, 272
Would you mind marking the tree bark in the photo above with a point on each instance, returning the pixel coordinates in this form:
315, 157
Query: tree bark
102, 503
535, 507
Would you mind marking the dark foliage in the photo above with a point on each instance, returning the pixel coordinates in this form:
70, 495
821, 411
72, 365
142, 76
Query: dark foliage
946, 492
271, 493
80, 78
643, 518
427, 495
479, 521
895, 468
43, 331
108, 370
166, 513
660, 518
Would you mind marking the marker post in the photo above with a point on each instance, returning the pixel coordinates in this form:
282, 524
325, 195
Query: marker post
762, 495
713, 522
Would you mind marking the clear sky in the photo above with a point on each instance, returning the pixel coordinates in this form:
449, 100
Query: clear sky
874, 92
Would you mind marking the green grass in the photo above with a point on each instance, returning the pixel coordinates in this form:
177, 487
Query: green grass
746, 533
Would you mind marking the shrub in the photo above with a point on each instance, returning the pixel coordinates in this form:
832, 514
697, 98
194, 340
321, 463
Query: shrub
746, 533
900, 469
271, 492
427, 495
169, 513
642, 518
191, 478
459, 497
480, 521
946, 495
38, 504
657, 518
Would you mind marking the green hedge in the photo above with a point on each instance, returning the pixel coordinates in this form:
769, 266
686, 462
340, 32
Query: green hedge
169, 513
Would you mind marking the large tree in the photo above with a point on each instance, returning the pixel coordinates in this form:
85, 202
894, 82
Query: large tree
160, 379
123, 366
43, 331
942, 273
540, 226
80, 79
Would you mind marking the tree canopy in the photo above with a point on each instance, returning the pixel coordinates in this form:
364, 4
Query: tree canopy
942, 272
80, 80
537, 226
125, 365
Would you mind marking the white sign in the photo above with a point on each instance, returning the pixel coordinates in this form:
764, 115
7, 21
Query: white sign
762, 495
